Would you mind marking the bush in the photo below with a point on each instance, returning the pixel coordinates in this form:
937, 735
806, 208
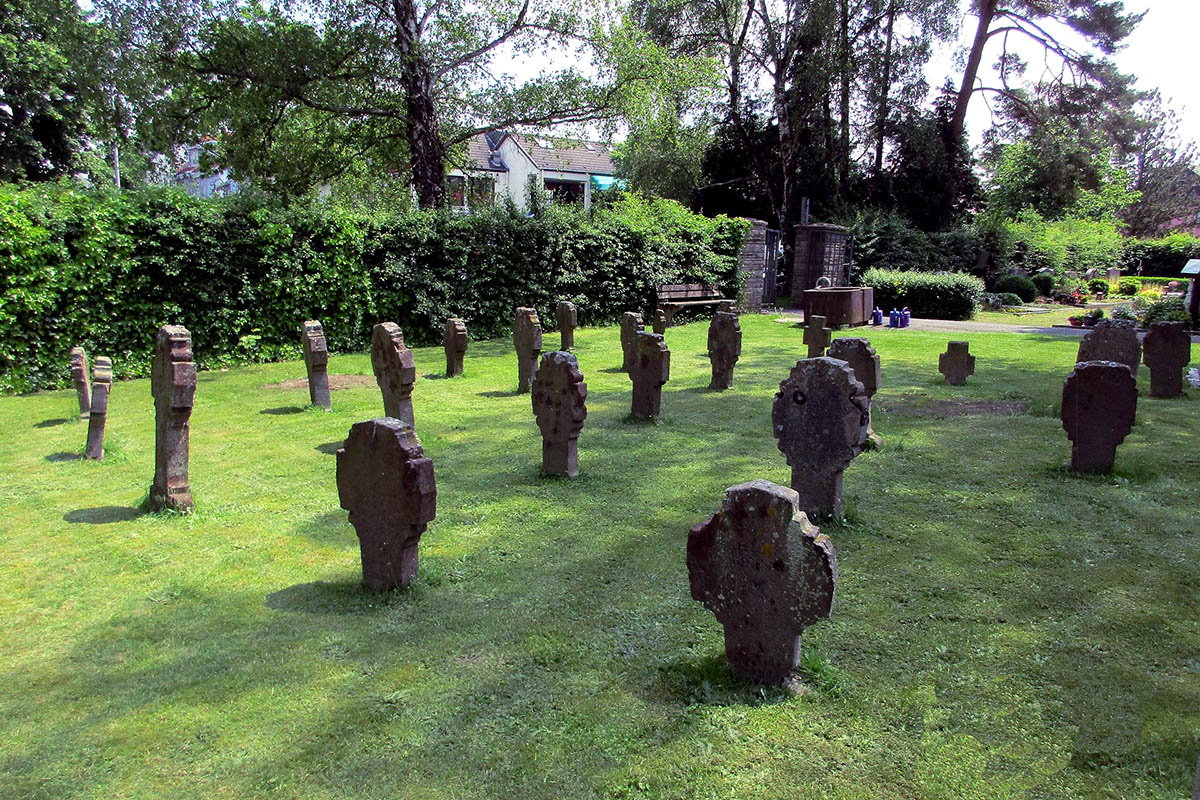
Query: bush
991, 301
932, 295
1128, 286
1020, 285
1010, 299
104, 271
1166, 309
1123, 312
1044, 283
1098, 286
1163, 257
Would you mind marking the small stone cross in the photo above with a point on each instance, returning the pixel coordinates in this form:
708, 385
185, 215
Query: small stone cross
631, 323
559, 404
957, 363
454, 341
1099, 402
1167, 349
173, 384
527, 339
568, 320
394, 370
816, 336
724, 348
651, 369
316, 364
79, 376
101, 386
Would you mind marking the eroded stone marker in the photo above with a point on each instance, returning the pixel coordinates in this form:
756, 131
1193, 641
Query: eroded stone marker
394, 371
98, 416
316, 364
173, 384
820, 418
631, 324
1099, 401
863, 359
651, 369
1167, 349
816, 335
454, 340
1112, 340
387, 485
79, 377
724, 348
659, 324
767, 573
567, 319
527, 339
957, 363
559, 404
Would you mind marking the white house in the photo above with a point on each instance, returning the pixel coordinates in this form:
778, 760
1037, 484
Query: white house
500, 164
214, 182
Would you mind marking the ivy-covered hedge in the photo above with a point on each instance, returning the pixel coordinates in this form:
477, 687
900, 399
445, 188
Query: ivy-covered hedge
105, 270
932, 295
1161, 258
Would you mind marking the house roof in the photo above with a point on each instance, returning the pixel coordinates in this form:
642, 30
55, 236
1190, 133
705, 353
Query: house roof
559, 155
481, 155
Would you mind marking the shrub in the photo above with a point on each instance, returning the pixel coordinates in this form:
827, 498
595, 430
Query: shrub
1166, 309
1010, 299
1162, 257
1128, 286
1123, 312
1098, 286
992, 301
934, 295
1044, 283
1019, 285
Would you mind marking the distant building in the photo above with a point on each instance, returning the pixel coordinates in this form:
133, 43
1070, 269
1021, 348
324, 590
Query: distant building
500, 164
199, 182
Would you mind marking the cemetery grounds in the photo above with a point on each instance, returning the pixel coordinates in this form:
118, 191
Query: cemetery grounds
1003, 628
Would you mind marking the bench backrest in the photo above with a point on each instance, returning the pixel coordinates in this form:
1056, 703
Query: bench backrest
688, 291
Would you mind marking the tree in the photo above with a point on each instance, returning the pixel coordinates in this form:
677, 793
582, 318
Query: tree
1164, 172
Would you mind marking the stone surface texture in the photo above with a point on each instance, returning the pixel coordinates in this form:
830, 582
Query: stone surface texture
1166, 350
316, 364
724, 348
957, 363
1099, 402
1112, 340
659, 323
454, 341
101, 387
395, 371
862, 358
527, 339
631, 324
816, 335
79, 377
766, 573
173, 384
560, 406
568, 320
651, 369
820, 418
387, 485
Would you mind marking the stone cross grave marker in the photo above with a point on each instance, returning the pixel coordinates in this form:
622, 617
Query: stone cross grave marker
1112, 340
816, 335
559, 404
101, 386
631, 323
651, 369
1167, 349
659, 324
863, 359
1099, 401
820, 418
567, 319
316, 364
387, 485
173, 384
394, 371
766, 573
724, 348
454, 340
79, 376
527, 339
957, 363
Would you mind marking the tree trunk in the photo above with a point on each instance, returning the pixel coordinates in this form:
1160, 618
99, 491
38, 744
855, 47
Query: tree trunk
987, 10
885, 91
844, 42
425, 146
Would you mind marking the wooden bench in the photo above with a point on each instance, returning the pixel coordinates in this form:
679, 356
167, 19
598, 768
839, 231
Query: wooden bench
678, 296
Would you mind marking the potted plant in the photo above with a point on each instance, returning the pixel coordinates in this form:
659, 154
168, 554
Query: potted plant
1092, 317
1075, 321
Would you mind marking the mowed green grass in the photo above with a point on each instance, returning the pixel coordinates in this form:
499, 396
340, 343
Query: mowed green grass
1003, 628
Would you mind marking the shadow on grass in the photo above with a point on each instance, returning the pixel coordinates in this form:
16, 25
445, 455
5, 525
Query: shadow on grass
64, 456
326, 597
330, 448
612, 370
103, 515
50, 423
511, 393
708, 680
282, 410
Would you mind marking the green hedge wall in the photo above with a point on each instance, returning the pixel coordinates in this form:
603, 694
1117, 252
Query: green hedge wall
935, 295
105, 270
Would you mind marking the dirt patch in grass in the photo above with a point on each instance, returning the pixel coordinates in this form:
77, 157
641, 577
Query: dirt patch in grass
335, 382
919, 406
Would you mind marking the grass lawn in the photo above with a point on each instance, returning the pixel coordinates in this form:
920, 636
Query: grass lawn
1003, 628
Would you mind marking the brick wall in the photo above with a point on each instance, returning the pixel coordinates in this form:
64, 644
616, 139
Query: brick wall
753, 263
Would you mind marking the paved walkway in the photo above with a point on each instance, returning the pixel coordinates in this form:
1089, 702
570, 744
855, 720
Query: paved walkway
970, 326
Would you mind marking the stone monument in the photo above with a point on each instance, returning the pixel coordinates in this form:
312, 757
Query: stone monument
631, 324
1112, 340
957, 363
724, 348
820, 418
79, 377
568, 320
816, 336
173, 384
387, 485
559, 405
316, 364
394, 371
527, 339
651, 369
862, 358
660, 321
1099, 401
101, 386
454, 340
1167, 349
767, 573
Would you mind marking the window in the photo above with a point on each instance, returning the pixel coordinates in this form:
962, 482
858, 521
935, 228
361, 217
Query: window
565, 191
456, 191
481, 191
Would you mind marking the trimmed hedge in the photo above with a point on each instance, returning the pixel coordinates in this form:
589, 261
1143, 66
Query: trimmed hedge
1020, 285
931, 295
1161, 258
105, 270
